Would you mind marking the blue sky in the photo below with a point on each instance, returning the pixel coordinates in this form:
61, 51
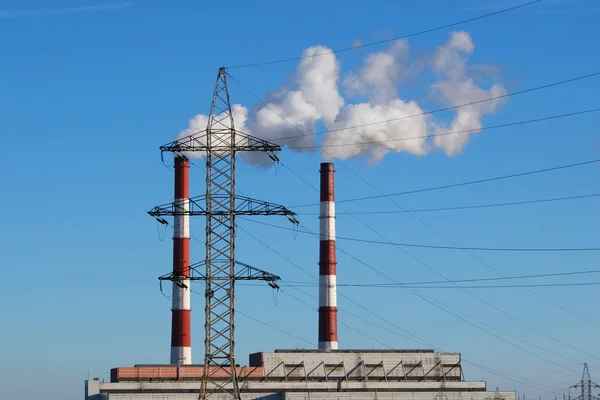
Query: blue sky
88, 93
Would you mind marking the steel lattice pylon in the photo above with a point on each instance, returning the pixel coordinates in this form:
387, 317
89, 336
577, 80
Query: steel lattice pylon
586, 386
220, 143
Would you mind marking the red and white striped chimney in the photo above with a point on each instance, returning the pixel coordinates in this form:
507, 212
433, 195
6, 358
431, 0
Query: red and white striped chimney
181, 348
328, 339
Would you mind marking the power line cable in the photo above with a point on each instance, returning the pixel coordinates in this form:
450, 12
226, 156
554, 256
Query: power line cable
474, 257
466, 318
484, 263
428, 226
450, 25
433, 135
237, 311
466, 207
431, 300
408, 335
462, 316
296, 336
449, 108
392, 286
550, 301
513, 378
437, 247
533, 276
466, 250
300, 338
441, 235
371, 312
388, 286
465, 290
341, 323
496, 372
516, 378
460, 184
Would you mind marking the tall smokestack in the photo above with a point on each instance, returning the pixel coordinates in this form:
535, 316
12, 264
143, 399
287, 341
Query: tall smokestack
328, 339
181, 349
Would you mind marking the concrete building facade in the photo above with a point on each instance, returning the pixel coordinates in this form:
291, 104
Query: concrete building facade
310, 375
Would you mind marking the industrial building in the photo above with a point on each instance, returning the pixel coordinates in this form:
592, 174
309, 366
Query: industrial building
329, 372
306, 374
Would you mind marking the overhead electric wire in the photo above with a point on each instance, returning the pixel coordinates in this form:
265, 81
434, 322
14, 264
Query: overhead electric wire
432, 301
432, 135
408, 335
460, 184
416, 259
444, 237
550, 301
458, 314
466, 207
509, 249
468, 252
423, 263
447, 133
466, 318
237, 311
384, 286
513, 378
405, 286
464, 289
533, 276
493, 371
432, 346
438, 28
350, 357
436, 247
298, 337
453, 107
342, 323
302, 134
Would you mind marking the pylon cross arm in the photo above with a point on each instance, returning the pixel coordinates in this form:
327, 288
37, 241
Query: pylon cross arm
243, 206
245, 273
197, 142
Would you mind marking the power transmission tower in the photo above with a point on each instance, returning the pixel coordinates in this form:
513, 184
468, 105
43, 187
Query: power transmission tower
220, 143
586, 386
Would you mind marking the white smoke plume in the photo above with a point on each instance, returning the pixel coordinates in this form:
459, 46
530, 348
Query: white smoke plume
378, 79
457, 87
289, 115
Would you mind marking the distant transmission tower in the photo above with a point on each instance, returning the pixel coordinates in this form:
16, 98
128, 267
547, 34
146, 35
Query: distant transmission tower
220, 144
586, 386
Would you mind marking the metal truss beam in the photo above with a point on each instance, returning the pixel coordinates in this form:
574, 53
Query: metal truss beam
244, 206
197, 142
247, 273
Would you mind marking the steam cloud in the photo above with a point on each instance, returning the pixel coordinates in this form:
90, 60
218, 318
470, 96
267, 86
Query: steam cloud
316, 98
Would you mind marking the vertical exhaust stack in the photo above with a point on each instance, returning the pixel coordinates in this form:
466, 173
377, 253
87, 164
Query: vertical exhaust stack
181, 348
328, 339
